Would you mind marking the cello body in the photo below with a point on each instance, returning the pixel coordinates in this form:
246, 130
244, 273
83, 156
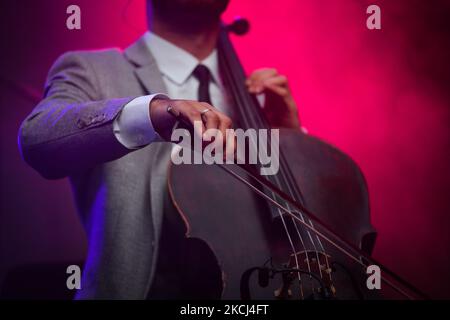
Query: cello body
237, 228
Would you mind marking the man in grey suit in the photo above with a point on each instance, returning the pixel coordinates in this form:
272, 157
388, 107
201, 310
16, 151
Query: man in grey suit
103, 121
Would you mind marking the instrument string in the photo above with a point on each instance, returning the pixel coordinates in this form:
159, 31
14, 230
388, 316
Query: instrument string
240, 96
295, 224
358, 256
260, 122
290, 240
293, 195
292, 185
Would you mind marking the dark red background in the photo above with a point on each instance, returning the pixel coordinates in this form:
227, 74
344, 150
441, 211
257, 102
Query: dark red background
381, 96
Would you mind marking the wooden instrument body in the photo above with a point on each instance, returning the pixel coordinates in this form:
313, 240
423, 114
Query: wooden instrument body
239, 230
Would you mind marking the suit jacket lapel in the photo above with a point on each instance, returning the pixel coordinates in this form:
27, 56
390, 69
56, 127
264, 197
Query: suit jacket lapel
146, 69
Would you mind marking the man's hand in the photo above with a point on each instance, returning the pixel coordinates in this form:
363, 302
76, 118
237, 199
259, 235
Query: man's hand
279, 106
165, 112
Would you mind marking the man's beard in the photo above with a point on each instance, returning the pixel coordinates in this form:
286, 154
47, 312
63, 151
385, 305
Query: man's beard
189, 15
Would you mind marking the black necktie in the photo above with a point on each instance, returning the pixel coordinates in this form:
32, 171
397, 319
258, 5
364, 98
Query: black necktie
203, 75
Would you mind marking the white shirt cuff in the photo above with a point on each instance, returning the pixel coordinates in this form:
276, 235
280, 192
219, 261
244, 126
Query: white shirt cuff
133, 127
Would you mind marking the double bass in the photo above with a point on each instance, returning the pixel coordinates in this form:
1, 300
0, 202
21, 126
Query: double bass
304, 233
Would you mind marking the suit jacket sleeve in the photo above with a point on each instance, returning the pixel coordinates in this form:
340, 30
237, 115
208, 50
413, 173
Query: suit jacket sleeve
70, 130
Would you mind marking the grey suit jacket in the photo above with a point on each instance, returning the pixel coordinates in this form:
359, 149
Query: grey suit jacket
118, 192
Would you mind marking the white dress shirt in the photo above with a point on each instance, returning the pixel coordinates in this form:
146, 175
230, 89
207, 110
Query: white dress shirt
133, 127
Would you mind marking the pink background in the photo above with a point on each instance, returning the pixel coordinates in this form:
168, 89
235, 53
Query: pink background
381, 96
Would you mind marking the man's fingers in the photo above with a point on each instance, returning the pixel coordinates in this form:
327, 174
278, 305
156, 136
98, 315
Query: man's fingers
210, 118
196, 114
279, 80
261, 74
225, 123
262, 84
230, 147
190, 114
258, 84
279, 90
256, 79
214, 119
